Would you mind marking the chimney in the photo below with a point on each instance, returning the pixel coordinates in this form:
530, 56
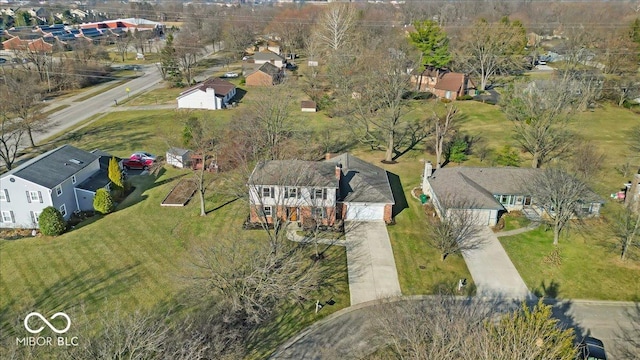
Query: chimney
428, 169
338, 171
328, 156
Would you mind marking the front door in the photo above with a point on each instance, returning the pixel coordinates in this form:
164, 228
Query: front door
527, 201
292, 213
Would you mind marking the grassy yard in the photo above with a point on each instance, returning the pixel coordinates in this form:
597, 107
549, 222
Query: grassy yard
590, 267
137, 258
420, 269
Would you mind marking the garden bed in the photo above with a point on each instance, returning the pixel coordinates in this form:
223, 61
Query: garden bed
181, 193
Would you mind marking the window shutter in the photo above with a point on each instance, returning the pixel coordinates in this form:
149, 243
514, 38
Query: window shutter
6, 195
33, 217
40, 196
28, 197
272, 192
324, 194
13, 218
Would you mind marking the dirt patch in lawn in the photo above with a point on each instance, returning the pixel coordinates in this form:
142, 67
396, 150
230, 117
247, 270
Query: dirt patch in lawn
181, 193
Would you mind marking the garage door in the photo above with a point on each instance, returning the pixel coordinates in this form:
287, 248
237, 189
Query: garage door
365, 212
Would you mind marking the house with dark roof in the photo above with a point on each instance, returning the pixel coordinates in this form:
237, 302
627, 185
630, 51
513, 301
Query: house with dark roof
65, 178
443, 83
489, 192
265, 75
211, 94
339, 188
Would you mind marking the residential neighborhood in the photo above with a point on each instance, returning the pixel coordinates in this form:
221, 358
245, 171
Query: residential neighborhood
319, 180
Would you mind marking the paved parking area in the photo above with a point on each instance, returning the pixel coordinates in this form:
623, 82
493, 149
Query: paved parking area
372, 268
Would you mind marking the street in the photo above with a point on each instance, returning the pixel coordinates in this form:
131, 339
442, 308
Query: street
351, 332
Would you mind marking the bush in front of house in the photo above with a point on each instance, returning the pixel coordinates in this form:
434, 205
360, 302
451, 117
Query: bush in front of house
51, 222
103, 202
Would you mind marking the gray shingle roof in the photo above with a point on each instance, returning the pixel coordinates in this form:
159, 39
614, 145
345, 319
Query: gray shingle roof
267, 55
96, 181
294, 173
177, 151
55, 166
270, 69
362, 181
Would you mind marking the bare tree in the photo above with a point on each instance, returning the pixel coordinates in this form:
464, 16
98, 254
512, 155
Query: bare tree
23, 100
587, 160
336, 26
188, 47
455, 230
490, 48
122, 43
11, 131
561, 195
541, 113
444, 128
625, 226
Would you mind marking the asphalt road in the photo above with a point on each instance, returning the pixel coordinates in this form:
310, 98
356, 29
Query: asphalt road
352, 332
101, 102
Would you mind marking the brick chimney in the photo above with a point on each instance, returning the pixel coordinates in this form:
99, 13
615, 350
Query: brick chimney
328, 156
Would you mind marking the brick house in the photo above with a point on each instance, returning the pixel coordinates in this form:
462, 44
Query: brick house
339, 188
265, 75
443, 83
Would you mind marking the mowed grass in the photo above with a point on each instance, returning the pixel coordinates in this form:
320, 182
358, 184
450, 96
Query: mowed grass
420, 269
590, 265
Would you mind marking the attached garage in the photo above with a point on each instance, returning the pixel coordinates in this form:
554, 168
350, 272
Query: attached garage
364, 212
480, 217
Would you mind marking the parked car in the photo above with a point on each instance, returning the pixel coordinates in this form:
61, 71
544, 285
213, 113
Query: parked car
3, 60
133, 163
143, 156
591, 349
231, 74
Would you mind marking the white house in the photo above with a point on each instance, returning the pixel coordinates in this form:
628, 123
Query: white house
267, 56
66, 178
212, 94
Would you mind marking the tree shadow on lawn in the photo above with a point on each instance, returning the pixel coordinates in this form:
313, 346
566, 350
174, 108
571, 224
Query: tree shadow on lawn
398, 194
85, 287
222, 205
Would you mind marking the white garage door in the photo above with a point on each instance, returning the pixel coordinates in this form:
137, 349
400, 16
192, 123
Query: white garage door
365, 212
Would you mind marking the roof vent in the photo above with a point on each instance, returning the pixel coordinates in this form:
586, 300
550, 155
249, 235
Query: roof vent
76, 161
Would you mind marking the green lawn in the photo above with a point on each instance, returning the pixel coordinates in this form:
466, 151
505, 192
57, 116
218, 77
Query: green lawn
590, 267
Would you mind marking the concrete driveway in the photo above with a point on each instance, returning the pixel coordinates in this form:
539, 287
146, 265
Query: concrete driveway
493, 272
372, 268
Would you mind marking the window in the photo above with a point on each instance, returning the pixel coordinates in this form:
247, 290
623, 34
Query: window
73, 179
7, 217
319, 194
63, 210
33, 196
35, 216
4, 196
59, 190
320, 213
267, 211
267, 192
290, 192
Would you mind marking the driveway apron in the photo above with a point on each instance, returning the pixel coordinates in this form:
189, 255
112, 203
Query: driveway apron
371, 266
493, 272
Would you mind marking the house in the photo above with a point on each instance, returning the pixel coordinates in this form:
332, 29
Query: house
266, 75
308, 106
179, 158
339, 188
266, 56
488, 192
269, 45
212, 94
443, 83
65, 178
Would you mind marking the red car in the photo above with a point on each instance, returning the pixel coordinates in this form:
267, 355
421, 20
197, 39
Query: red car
138, 163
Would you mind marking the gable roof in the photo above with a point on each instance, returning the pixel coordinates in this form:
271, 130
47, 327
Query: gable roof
477, 185
362, 181
294, 173
220, 87
267, 55
104, 158
53, 167
446, 79
267, 68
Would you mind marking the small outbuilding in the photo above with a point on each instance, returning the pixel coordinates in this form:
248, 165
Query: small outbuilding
180, 158
308, 106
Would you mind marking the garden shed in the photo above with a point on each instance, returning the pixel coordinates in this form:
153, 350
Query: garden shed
177, 157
